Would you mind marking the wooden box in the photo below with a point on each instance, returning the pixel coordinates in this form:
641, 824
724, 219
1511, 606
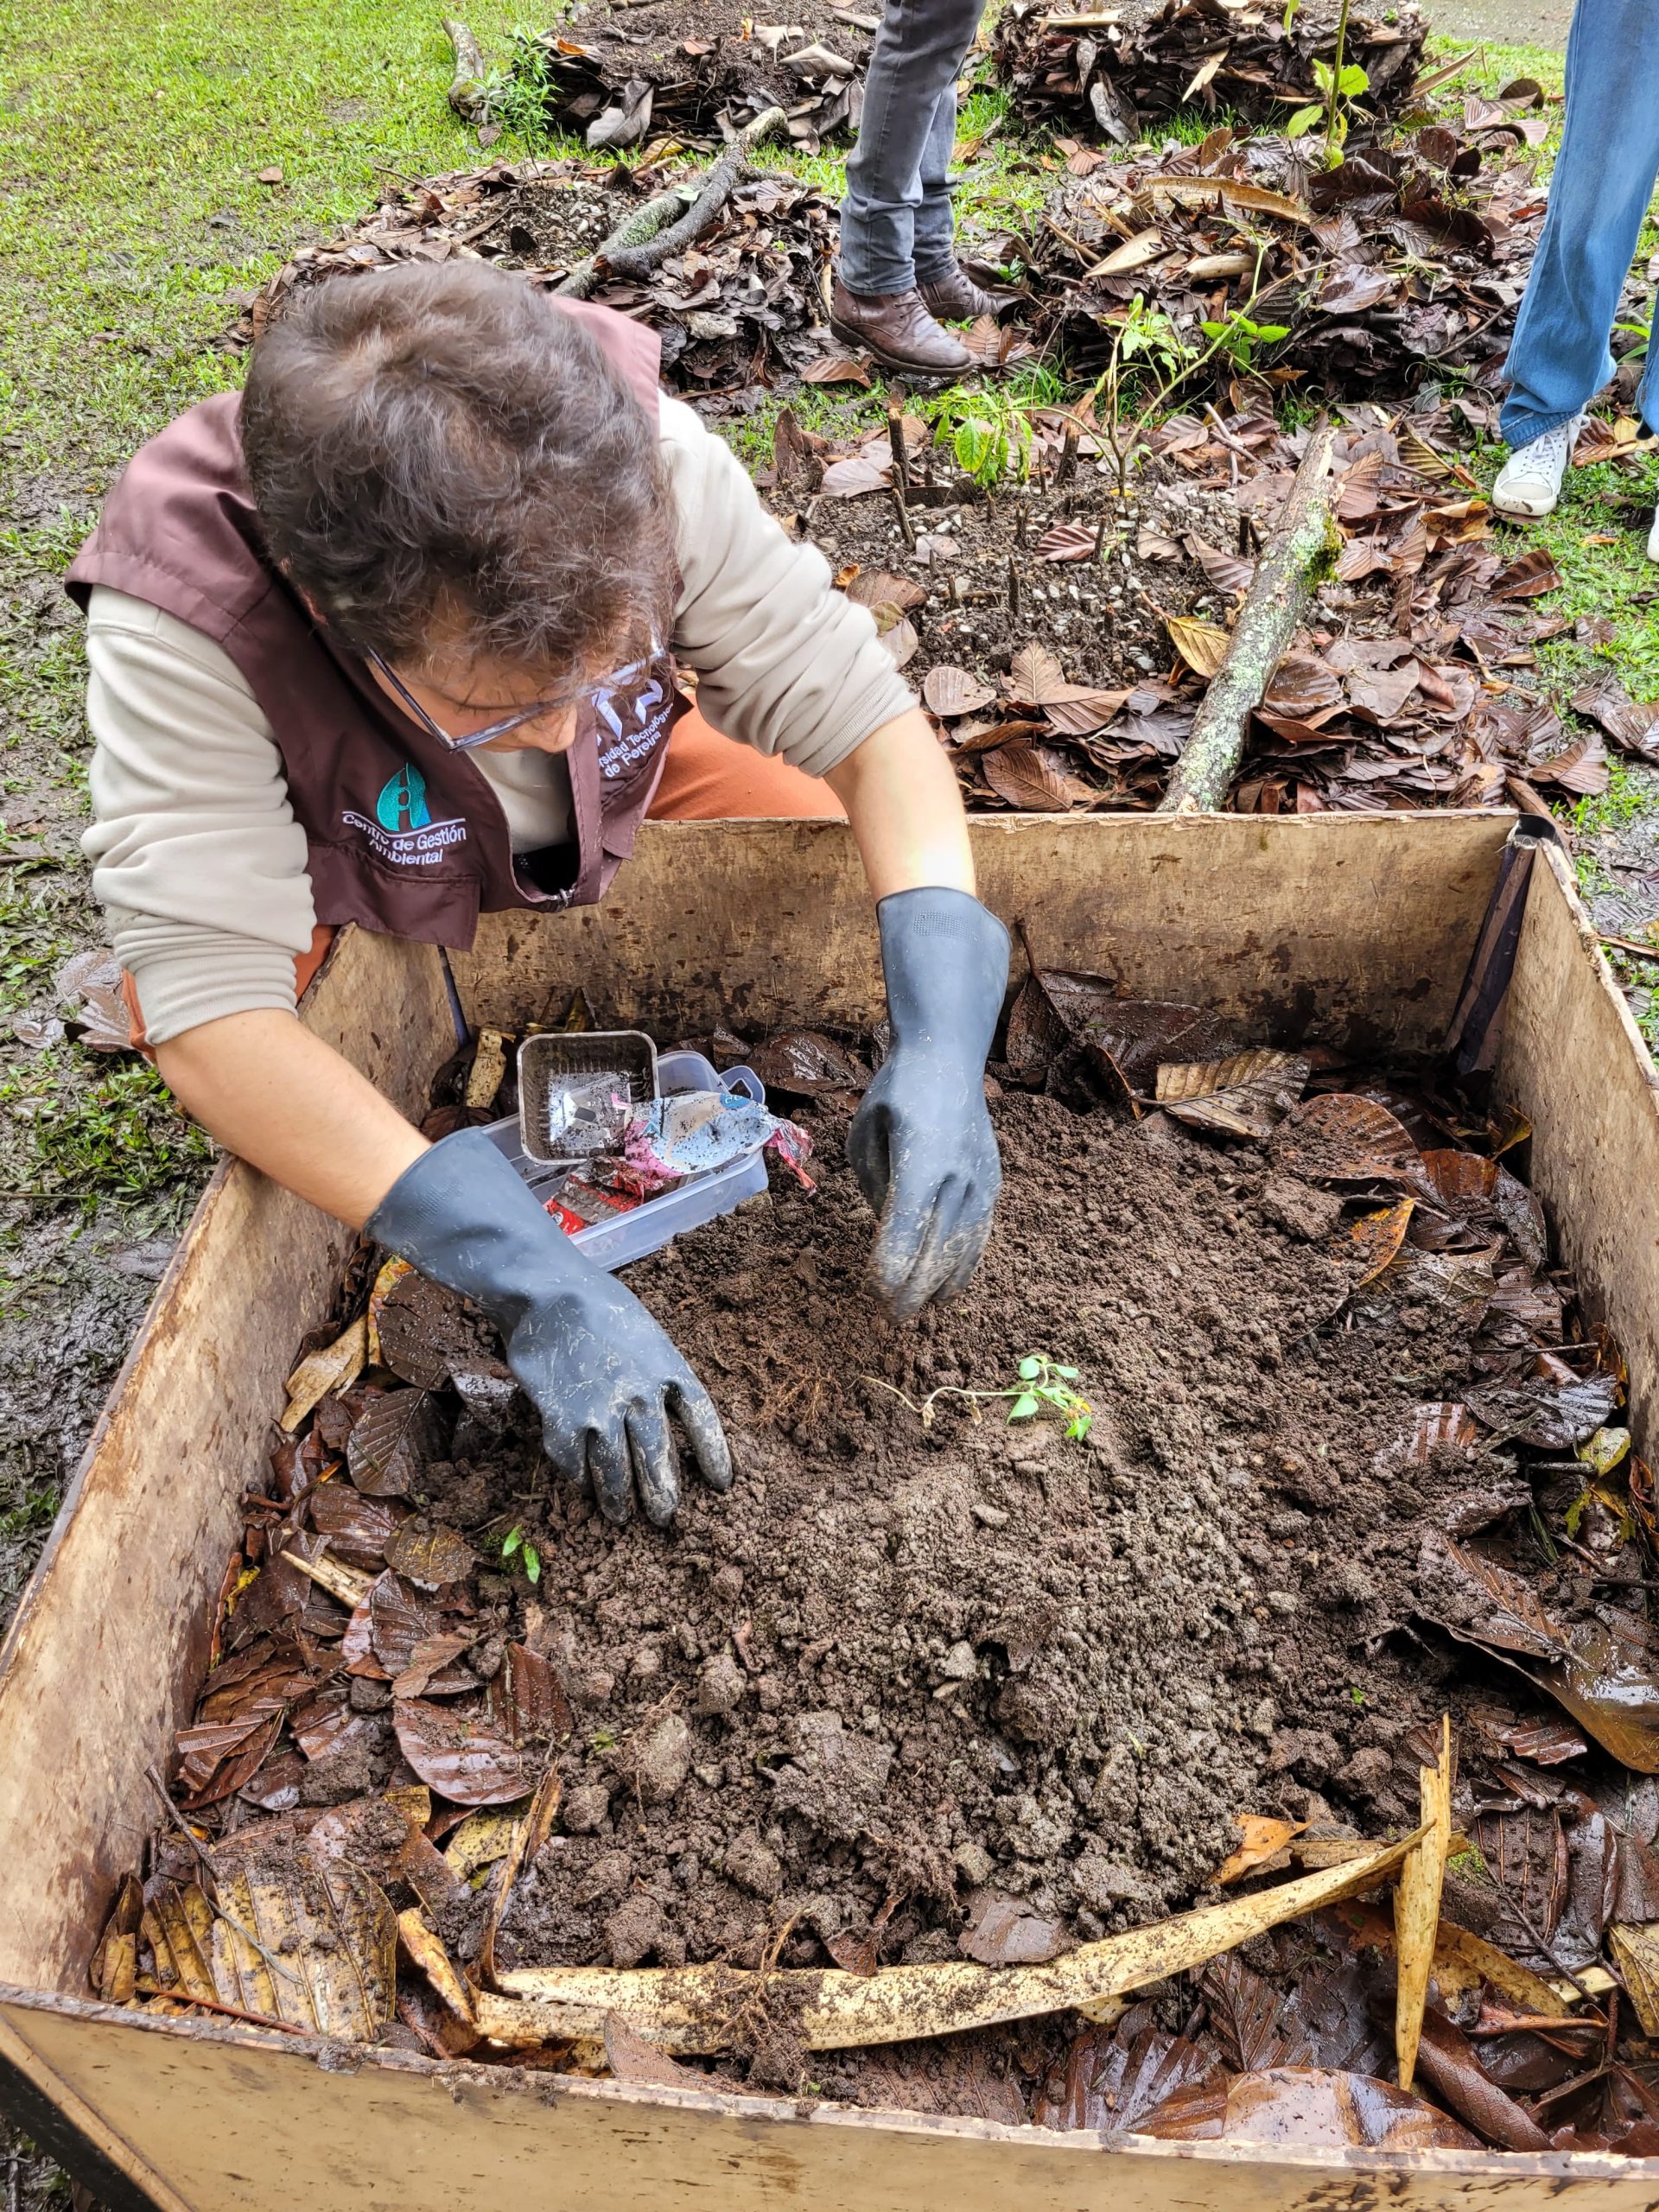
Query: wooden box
1355, 929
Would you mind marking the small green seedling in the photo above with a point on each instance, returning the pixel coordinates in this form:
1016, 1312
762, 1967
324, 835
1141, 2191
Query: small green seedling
1357, 1696
1049, 1384
1238, 338
516, 1543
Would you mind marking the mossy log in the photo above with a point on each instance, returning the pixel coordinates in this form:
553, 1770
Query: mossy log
1295, 558
671, 221
468, 91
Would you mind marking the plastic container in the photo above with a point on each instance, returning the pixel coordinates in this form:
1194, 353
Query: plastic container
571, 1083
654, 1222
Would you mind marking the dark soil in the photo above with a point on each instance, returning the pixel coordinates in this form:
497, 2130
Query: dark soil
899, 1666
994, 590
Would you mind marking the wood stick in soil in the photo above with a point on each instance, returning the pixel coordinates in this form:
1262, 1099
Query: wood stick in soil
1273, 607
466, 93
636, 250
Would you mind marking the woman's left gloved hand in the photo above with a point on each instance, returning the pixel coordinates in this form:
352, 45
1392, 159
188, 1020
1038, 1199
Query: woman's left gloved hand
921, 1143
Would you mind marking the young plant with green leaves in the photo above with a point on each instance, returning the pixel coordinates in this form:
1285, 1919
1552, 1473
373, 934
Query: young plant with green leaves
1340, 85
1238, 337
516, 1545
1047, 1388
989, 435
519, 98
1043, 1385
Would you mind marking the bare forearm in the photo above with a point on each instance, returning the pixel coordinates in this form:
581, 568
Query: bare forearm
280, 1098
905, 806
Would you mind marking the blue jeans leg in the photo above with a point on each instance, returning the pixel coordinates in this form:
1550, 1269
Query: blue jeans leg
1598, 195
896, 216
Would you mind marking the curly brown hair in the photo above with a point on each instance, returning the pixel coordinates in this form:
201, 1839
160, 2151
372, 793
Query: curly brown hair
445, 464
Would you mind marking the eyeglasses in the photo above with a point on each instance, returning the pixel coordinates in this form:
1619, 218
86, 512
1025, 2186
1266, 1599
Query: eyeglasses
516, 720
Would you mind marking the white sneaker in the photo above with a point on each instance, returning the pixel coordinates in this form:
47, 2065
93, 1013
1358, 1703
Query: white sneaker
1529, 482
1653, 538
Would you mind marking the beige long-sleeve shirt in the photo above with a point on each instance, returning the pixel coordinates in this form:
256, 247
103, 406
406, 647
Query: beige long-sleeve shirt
197, 857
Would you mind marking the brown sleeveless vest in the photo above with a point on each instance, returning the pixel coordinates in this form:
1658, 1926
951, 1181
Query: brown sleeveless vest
403, 835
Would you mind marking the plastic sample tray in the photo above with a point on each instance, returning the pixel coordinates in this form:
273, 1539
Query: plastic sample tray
654, 1221
569, 1082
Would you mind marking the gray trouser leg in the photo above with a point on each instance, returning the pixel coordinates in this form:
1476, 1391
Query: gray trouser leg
895, 222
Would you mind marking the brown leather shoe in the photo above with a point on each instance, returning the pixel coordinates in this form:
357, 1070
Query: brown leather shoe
899, 330
955, 297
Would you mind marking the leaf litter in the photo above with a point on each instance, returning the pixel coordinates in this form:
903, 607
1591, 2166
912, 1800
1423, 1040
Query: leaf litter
684, 1791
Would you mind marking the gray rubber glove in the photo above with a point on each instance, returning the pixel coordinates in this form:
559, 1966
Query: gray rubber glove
603, 1375
921, 1143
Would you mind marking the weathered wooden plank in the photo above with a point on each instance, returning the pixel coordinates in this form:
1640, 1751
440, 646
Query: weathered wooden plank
1573, 1062
241, 2124
109, 1642
1360, 925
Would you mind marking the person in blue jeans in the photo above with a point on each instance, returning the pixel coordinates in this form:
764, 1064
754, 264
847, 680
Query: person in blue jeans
1598, 196
899, 281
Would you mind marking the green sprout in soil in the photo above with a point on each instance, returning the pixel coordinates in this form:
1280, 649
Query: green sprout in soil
1355, 1695
1049, 1385
515, 1543
1470, 1864
1043, 1386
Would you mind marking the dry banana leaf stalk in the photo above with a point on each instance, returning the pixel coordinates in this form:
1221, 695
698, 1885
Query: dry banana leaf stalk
693, 2009
1417, 1907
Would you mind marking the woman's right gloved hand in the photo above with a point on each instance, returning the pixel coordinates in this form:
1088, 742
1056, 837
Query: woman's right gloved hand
603, 1375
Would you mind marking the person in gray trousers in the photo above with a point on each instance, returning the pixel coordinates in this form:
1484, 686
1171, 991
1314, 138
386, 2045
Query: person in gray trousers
900, 280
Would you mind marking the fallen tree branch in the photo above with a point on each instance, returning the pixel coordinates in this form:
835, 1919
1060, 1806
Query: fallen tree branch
1267, 620
694, 2008
634, 229
468, 94
645, 239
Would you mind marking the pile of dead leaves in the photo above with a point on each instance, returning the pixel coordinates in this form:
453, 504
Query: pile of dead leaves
745, 304
1405, 261
617, 79
1119, 70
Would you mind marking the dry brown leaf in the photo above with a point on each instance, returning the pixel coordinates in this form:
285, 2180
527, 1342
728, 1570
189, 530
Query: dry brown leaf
835, 368
1200, 645
1376, 1237
1341, 1138
1028, 779
462, 1753
313, 1945
1290, 2105
878, 587
1228, 572
1211, 191
1636, 1954
426, 1952
335, 1368
1247, 1095
1264, 1836
387, 1446
1068, 541
950, 692
1153, 545
693, 2009
482, 1838
430, 1557
1136, 252
1417, 1907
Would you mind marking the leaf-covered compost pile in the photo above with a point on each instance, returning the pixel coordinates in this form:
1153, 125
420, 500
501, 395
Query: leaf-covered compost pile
621, 73
1122, 70
1266, 1434
742, 309
1404, 263
1063, 633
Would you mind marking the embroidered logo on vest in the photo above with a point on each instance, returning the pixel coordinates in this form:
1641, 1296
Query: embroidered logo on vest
403, 828
402, 803
636, 720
